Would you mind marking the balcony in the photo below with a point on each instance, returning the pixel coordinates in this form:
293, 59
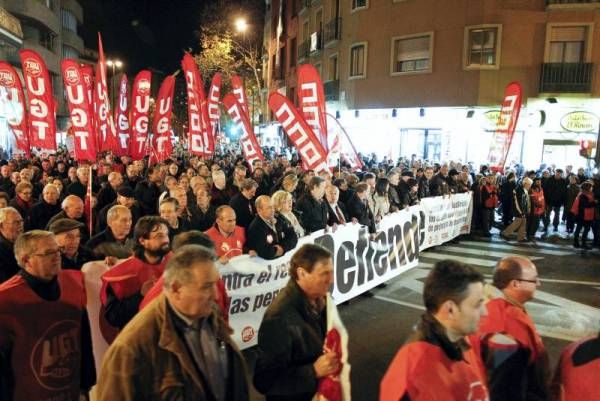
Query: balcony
75, 8
332, 30
70, 38
332, 90
566, 77
304, 50
34, 10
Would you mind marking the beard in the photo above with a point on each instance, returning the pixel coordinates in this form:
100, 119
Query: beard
159, 252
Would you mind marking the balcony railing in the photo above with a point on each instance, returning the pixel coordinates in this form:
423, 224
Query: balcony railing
333, 30
304, 49
566, 77
332, 90
551, 2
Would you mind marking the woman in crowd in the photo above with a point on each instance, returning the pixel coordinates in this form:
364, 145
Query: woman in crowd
538, 206
381, 202
283, 202
489, 202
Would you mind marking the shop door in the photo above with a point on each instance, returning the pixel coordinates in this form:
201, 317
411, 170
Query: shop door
424, 143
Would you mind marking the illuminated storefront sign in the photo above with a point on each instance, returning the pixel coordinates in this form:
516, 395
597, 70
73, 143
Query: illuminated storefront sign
580, 121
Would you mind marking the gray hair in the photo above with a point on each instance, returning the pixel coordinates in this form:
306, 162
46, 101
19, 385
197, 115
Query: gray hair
5, 211
180, 267
114, 211
65, 201
26, 243
527, 180
50, 186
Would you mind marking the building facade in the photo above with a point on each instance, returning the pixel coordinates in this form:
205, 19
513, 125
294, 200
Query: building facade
429, 75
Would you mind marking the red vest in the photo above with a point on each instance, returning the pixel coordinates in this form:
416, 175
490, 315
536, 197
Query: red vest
44, 336
423, 372
228, 246
581, 382
538, 202
588, 212
127, 278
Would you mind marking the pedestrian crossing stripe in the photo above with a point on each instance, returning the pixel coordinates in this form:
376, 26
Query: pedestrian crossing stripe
518, 248
485, 252
458, 258
538, 244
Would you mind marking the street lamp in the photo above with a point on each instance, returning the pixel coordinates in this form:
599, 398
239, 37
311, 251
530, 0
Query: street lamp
241, 25
115, 64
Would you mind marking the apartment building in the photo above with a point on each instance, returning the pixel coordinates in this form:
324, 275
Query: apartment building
429, 75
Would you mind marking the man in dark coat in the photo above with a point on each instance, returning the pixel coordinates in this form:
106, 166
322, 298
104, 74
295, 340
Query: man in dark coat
555, 193
108, 193
147, 192
336, 210
359, 209
41, 213
79, 187
125, 197
290, 358
311, 207
242, 203
269, 236
439, 183
424, 190
115, 240
11, 225
67, 233
72, 208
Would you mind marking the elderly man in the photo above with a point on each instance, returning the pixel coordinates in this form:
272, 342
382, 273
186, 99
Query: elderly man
72, 208
124, 286
79, 187
11, 225
336, 210
437, 362
220, 192
203, 213
23, 200
41, 213
291, 359
229, 238
45, 347
269, 236
115, 239
169, 210
358, 207
242, 203
312, 208
521, 206
513, 352
125, 197
67, 233
178, 346
108, 193
183, 212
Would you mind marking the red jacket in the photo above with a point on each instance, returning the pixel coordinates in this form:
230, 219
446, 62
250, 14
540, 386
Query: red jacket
576, 376
538, 203
228, 246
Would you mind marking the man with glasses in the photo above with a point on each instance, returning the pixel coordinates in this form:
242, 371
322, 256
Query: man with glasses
11, 225
124, 286
45, 346
512, 350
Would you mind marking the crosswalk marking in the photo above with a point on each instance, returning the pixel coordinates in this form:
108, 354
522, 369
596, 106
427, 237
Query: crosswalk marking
472, 261
484, 252
518, 248
538, 244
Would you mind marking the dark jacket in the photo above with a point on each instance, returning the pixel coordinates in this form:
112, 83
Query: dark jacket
202, 220
290, 340
105, 244
262, 238
555, 191
23, 210
105, 196
219, 197
9, 266
439, 185
313, 214
333, 217
424, 190
360, 211
521, 202
85, 233
41, 213
394, 197
404, 194
147, 193
81, 258
77, 188
244, 210
101, 222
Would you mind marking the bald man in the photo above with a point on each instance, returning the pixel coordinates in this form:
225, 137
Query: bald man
229, 238
72, 208
513, 353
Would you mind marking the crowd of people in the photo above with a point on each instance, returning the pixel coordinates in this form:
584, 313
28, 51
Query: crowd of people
160, 229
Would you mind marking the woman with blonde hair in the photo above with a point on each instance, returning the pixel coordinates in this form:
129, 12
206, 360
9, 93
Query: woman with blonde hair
283, 202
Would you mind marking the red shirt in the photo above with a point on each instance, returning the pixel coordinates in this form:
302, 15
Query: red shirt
230, 246
578, 382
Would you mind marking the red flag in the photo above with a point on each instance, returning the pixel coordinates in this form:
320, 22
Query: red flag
41, 120
312, 153
312, 101
248, 140
240, 94
77, 99
122, 119
161, 124
140, 104
505, 128
105, 126
201, 143
88, 77
15, 102
214, 95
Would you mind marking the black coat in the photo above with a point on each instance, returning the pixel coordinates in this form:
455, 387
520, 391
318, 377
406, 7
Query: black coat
147, 193
333, 217
9, 266
105, 244
85, 233
41, 213
555, 191
438, 185
424, 190
244, 210
262, 238
106, 195
313, 214
101, 216
290, 340
202, 220
77, 188
362, 212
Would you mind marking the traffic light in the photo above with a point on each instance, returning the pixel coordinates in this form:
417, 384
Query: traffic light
586, 148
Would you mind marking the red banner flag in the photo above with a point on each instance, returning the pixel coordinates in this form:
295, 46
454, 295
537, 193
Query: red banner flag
312, 101
304, 139
140, 104
88, 77
79, 107
14, 101
214, 95
105, 126
122, 119
505, 128
161, 124
237, 86
41, 119
200, 142
248, 140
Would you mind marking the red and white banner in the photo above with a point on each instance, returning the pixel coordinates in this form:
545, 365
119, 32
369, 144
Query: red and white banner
41, 119
161, 124
122, 119
237, 85
311, 98
75, 88
505, 128
314, 156
248, 140
105, 126
341, 146
140, 106
13, 102
88, 77
214, 95
200, 140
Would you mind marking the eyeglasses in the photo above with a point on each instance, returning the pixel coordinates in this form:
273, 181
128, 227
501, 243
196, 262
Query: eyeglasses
534, 281
47, 253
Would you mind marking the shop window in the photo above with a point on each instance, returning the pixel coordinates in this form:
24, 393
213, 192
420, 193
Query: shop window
412, 54
358, 60
482, 46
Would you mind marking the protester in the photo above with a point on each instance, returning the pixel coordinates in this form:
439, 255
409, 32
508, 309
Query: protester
115, 240
67, 233
203, 212
108, 193
270, 236
169, 211
41, 212
283, 202
522, 209
381, 202
437, 361
228, 237
538, 207
358, 208
583, 209
23, 201
572, 192
125, 197
147, 191
11, 226
336, 210
243, 202
72, 208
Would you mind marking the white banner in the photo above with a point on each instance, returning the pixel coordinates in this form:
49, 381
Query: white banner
360, 262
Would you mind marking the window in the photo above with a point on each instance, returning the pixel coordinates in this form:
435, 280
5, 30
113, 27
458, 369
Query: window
69, 52
412, 53
567, 44
332, 73
319, 20
359, 4
68, 20
482, 48
293, 52
47, 40
358, 60
305, 30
